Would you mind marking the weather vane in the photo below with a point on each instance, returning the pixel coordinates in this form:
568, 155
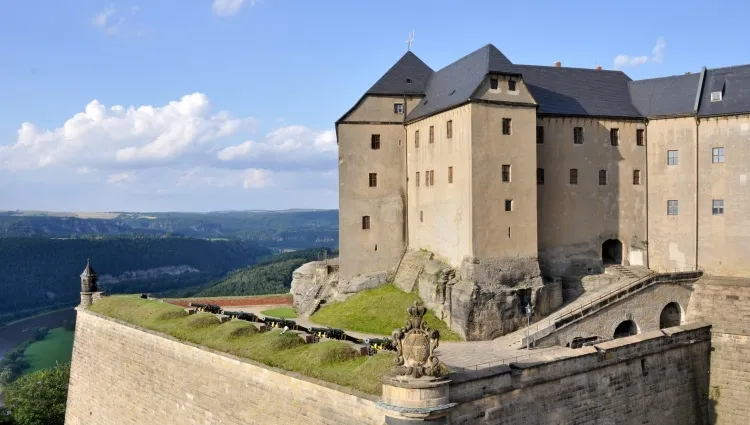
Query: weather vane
409, 40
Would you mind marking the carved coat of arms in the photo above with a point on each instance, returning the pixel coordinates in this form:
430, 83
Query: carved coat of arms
415, 345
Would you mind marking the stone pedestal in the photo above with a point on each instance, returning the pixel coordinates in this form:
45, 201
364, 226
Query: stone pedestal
409, 400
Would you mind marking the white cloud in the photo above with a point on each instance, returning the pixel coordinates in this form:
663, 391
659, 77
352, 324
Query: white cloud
126, 177
110, 22
229, 7
101, 19
624, 61
251, 178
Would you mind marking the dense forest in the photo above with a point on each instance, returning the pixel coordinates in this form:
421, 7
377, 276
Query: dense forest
294, 229
272, 276
39, 274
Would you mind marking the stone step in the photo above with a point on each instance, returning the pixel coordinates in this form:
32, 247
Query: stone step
411, 266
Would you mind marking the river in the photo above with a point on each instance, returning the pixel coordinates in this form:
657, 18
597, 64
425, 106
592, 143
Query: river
18, 332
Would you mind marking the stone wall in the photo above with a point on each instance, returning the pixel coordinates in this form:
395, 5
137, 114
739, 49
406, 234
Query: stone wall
658, 378
122, 375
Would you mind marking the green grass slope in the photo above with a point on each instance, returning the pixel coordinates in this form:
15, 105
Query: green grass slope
377, 311
56, 347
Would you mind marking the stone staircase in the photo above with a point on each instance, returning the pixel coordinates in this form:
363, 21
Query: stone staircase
311, 301
412, 264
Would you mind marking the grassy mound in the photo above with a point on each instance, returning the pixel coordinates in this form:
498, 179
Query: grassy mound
202, 320
331, 361
281, 313
378, 311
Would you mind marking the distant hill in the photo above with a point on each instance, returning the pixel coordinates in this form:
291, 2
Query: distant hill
43, 273
273, 276
290, 229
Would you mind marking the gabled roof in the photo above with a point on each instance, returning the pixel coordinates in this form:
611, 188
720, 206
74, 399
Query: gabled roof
734, 83
408, 75
455, 83
579, 91
667, 96
88, 271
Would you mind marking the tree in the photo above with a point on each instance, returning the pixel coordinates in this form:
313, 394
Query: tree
39, 398
5, 417
41, 333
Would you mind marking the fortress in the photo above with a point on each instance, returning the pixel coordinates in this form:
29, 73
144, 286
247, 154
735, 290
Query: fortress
611, 213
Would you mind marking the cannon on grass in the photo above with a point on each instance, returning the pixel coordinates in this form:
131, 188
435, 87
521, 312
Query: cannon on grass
241, 315
330, 333
379, 344
274, 322
208, 308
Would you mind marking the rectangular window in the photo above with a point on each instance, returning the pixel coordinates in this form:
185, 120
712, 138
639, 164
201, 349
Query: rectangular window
493, 83
639, 137
672, 207
511, 85
432, 134
672, 158
506, 173
574, 176
636, 176
539, 134
506, 125
417, 178
718, 207
450, 174
421, 216
373, 179
717, 155
449, 129
432, 177
366, 222
602, 177
540, 176
416, 138
398, 108
614, 136
375, 141
508, 205
578, 135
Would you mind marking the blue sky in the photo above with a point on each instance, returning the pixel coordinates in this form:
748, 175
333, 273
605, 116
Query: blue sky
174, 105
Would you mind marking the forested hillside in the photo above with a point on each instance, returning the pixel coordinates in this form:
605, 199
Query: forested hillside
41, 273
273, 276
296, 229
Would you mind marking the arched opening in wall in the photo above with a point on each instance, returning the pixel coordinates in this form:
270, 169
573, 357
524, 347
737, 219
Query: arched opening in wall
612, 252
626, 328
670, 316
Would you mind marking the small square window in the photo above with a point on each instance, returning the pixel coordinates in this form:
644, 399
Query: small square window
449, 129
508, 205
511, 85
716, 96
636, 176
373, 179
432, 134
614, 136
506, 126
398, 108
416, 178
717, 155
672, 158
450, 174
416, 138
366, 222
717, 207
602, 177
640, 137
506, 173
540, 176
574, 176
578, 135
539, 134
493, 83
375, 141
672, 207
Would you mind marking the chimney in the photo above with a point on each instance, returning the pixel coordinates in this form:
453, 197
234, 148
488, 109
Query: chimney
558, 64
598, 67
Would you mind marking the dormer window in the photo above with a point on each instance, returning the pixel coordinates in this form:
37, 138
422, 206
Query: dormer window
511, 85
716, 96
398, 108
408, 81
493, 83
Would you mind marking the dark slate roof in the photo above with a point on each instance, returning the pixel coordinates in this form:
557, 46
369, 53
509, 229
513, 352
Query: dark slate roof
394, 81
455, 83
88, 271
579, 91
665, 96
734, 81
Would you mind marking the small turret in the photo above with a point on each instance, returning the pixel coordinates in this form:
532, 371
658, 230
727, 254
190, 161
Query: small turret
88, 284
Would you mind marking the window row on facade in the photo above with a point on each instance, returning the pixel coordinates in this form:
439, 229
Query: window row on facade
717, 207
429, 179
614, 136
717, 156
573, 176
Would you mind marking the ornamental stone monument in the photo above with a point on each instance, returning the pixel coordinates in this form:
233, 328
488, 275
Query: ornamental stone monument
416, 390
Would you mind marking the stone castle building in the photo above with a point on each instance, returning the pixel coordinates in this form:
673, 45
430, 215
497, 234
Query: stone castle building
487, 161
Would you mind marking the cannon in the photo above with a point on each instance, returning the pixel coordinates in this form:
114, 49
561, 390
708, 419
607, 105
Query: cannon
241, 315
330, 333
378, 344
280, 323
209, 308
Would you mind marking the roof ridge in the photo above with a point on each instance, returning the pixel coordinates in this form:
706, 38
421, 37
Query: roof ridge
573, 67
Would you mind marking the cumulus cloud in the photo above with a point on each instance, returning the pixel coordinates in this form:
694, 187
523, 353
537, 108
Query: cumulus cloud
229, 7
624, 61
110, 22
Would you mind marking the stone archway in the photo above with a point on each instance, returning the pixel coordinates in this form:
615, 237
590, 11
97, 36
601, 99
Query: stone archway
670, 316
612, 251
625, 328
